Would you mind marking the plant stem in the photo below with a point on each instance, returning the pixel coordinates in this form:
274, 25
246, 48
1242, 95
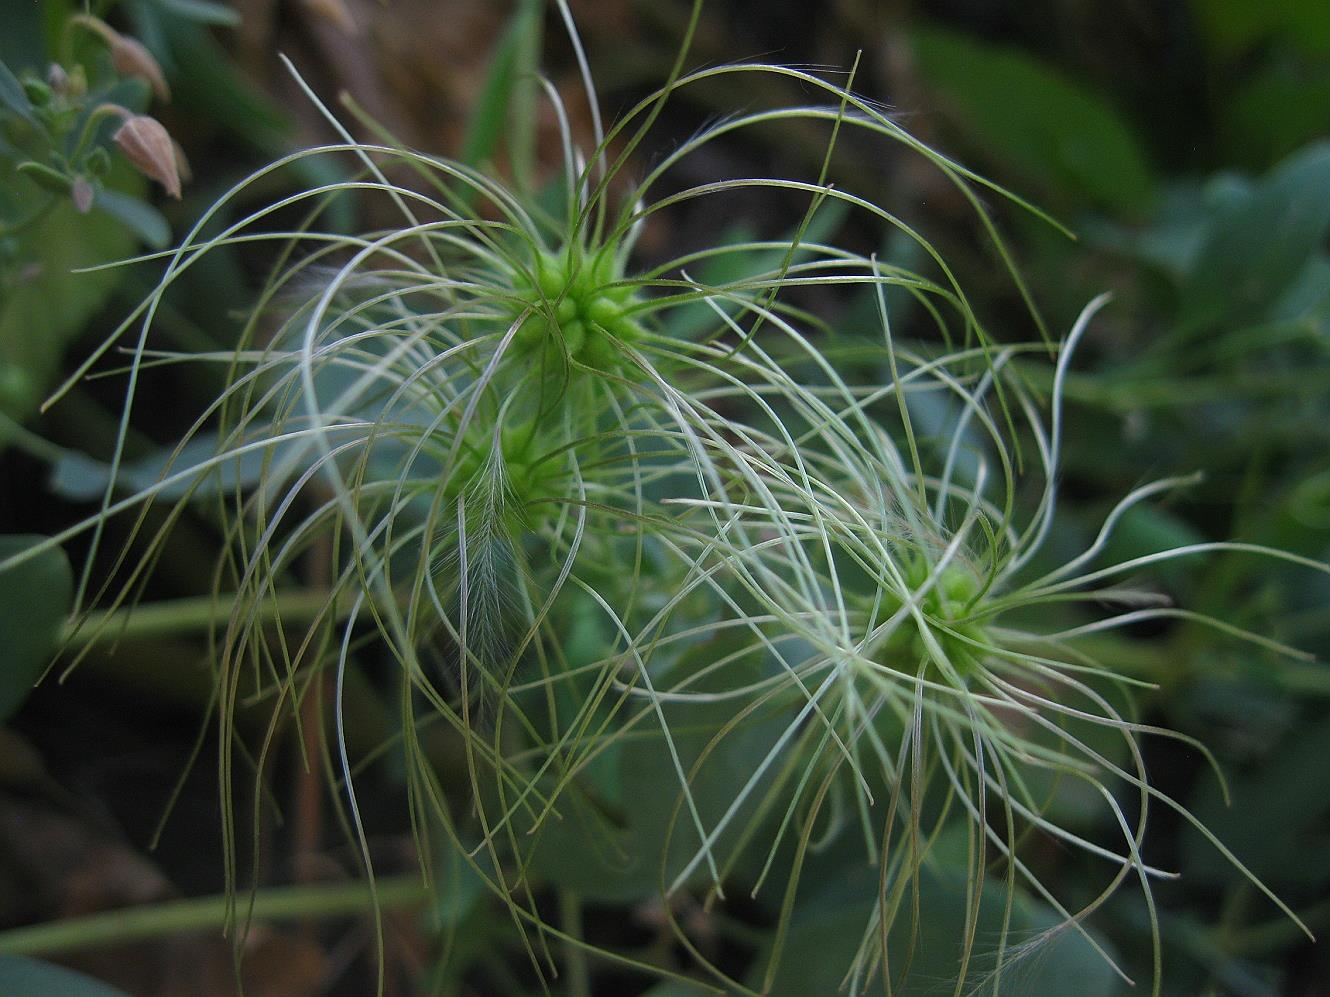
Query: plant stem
25, 439
158, 619
570, 920
176, 916
1274, 935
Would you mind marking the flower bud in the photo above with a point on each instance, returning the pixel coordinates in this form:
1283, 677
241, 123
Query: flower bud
81, 192
130, 58
57, 79
38, 93
147, 144
128, 55
78, 81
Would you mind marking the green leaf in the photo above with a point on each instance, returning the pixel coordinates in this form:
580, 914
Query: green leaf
1274, 113
1278, 811
1148, 529
617, 818
80, 478
1172, 240
45, 176
202, 11
24, 977
692, 320
1036, 122
511, 61
137, 215
206, 85
828, 925
35, 597
1259, 244
1237, 26
47, 306
12, 95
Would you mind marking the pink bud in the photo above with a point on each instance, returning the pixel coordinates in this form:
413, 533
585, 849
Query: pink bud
127, 54
149, 147
58, 79
132, 59
81, 192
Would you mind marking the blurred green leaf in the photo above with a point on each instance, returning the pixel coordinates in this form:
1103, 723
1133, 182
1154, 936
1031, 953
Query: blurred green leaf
512, 60
204, 81
48, 304
12, 95
691, 320
1257, 245
1274, 113
1168, 245
1148, 529
34, 601
80, 478
612, 838
202, 11
1035, 121
828, 925
24, 977
137, 215
1280, 809
45, 176
1310, 500
1236, 26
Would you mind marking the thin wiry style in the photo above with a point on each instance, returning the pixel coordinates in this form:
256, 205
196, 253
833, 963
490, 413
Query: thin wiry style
492, 424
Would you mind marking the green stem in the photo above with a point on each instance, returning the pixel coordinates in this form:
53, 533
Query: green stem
90, 124
570, 920
158, 619
369, 726
1262, 939
12, 431
201, 913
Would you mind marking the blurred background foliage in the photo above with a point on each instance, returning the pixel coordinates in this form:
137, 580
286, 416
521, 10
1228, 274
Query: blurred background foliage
1187, 144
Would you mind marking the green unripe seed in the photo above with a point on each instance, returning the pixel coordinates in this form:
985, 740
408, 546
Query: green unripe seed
572, 298
603, 269
620, 294
600, 353
947, 600
530, 333
574, 335
38, 92
959, 585
551, 278
604, 312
